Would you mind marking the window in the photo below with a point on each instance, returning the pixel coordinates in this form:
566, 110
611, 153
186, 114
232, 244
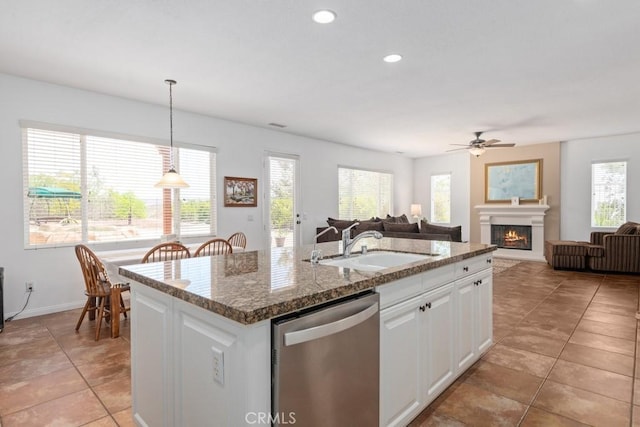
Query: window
364, 194
80, 187
441, 198
608, 194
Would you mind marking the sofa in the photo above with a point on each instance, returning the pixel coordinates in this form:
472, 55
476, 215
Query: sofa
605, 251
391, 226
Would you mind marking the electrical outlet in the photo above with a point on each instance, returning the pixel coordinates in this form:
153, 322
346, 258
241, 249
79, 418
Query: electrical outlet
218, 366
28, 287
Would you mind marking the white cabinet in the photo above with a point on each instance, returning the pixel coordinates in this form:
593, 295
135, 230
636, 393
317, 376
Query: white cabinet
191, 367
433, 336
416, 354
400, 362
466, 352
151, 358
484, 310
474, 311
438, 335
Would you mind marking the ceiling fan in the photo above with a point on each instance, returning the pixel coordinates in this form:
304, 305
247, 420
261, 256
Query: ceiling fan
477, 146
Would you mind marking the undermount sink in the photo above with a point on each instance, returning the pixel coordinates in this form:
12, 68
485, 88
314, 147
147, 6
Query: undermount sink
375, 261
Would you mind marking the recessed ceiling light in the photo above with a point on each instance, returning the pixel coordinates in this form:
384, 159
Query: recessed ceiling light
394, 57
325, 16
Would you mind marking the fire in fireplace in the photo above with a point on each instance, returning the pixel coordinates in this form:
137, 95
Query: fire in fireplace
511, 236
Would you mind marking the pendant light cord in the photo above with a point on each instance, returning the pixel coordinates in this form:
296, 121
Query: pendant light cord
170, 83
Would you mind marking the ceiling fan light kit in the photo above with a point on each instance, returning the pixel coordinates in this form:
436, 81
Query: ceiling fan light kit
477, 151
478, 146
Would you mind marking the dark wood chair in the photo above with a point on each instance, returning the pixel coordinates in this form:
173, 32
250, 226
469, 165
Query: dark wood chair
215, 246
98, 289
167, 251
238, 240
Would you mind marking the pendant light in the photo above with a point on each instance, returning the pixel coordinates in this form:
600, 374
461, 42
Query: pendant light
172, 178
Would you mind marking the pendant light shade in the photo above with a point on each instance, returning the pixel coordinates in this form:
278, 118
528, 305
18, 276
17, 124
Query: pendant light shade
172, 178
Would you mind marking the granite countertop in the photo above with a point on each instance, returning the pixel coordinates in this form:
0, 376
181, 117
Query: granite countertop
249, 287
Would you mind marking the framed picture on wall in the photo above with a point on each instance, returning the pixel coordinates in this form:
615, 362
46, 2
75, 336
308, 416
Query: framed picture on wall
506, 181
240, 192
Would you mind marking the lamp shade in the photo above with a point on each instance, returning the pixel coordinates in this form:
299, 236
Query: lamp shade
416, 210
171, 179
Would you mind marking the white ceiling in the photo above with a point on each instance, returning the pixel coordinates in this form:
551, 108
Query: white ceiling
524, 71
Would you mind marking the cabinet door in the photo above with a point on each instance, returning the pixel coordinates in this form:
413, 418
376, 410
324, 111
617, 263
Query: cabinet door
151, 356
203, 386
484, 311
399, 362
466, 314
438, 338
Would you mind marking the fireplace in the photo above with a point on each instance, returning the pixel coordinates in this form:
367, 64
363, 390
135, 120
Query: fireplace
511, 236
523, 215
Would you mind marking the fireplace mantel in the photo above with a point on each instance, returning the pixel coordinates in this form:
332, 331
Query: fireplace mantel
532, 215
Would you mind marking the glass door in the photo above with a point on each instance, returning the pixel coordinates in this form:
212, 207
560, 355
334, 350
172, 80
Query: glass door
282, 200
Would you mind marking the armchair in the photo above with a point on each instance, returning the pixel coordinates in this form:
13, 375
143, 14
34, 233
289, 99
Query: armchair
614, 252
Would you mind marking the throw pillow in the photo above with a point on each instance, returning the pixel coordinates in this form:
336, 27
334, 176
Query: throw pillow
369, 225
402, 219
401, 227
627, 228
454, 232
340, 224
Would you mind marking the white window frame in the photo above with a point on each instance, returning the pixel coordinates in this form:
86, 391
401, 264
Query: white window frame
595, 191
113, 244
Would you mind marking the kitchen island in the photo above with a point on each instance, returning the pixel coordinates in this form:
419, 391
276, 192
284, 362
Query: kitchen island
201, 327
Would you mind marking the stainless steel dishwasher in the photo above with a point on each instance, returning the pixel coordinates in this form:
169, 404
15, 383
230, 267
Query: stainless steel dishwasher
326, 365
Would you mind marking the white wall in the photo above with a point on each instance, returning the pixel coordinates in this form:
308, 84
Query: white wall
458, 165
241, 148
575, 172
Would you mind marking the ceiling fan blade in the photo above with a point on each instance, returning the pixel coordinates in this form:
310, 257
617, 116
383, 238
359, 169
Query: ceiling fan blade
462, 145
456, 149
491, 141
500, 145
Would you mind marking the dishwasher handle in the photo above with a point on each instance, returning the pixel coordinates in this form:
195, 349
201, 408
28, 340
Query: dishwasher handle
310, 334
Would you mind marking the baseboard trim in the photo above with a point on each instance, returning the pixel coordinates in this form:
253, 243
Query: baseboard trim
39, 311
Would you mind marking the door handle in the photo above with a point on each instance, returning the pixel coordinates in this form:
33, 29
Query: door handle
310, 334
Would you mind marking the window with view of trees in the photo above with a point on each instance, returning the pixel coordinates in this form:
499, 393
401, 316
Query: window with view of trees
608, 194
363, 194
84, 188
441, 198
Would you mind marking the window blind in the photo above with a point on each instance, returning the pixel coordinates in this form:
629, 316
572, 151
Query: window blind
608, 194
363, 194
282, 197
83, 188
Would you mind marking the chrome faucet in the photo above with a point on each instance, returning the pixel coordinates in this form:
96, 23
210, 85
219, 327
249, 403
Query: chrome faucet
348, 242
316, 254
346, 238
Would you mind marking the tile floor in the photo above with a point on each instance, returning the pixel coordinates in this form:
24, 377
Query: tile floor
564, 355
52, 376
